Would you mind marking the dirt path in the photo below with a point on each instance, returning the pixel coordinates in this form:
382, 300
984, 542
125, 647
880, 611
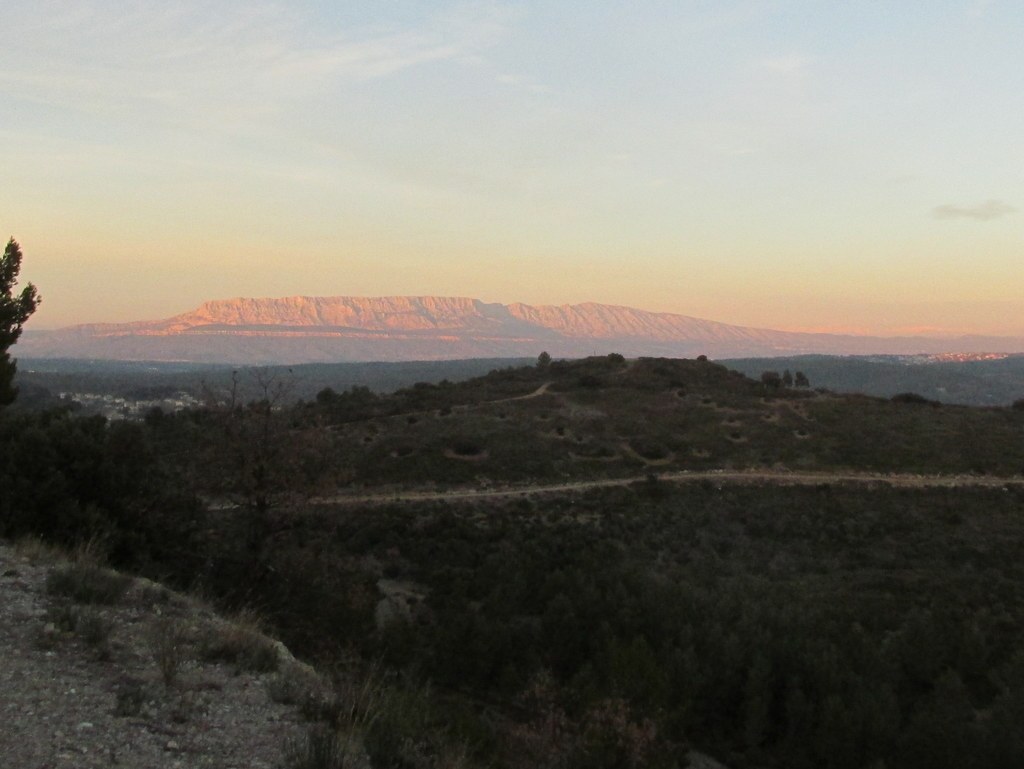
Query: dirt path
535, 394
718, 477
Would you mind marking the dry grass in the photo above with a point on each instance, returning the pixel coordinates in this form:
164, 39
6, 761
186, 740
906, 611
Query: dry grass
241, 642
323, 747
298, 684
87, 582
39, 552
167, 642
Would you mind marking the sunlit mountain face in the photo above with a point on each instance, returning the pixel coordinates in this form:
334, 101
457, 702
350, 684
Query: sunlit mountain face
315, 329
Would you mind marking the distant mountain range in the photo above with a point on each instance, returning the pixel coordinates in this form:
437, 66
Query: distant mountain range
305, 329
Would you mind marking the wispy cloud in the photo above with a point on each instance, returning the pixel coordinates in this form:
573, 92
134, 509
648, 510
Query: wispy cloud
990, 209
195, 61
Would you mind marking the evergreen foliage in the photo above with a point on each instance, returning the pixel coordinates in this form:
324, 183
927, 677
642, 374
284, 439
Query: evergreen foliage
15, 309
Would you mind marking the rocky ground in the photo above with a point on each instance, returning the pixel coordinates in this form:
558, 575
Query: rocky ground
102, 670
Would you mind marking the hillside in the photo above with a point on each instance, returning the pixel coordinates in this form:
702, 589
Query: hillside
98, 669
319, 329
602, 418
597, 563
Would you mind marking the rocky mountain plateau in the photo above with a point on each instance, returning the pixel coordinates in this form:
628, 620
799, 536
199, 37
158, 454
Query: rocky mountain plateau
306, 329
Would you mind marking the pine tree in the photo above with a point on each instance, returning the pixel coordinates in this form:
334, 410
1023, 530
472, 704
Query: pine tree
14, 311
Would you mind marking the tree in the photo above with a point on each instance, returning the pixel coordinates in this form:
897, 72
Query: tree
787, 379
14, 311
257, 457
771, 379
543, 360
801, 380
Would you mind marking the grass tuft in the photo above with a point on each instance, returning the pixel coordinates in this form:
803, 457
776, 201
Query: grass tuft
241, 643
87, 582
323, 747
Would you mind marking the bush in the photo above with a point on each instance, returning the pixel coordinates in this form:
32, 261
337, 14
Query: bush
914, 398
167, 650
87, 583
297, 685
131, 696
323, 748
242, 644
93, 628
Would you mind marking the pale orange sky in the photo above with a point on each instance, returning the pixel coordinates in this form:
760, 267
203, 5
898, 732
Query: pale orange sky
795, 165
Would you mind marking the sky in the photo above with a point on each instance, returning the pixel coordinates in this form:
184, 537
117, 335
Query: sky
792, 164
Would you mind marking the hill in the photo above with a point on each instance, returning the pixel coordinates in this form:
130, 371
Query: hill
318, 329
591, 563
604, 417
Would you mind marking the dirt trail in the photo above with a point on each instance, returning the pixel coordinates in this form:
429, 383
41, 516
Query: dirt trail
718, 477
535, 394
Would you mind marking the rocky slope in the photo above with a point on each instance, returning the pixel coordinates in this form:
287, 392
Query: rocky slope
305, 329
131, 675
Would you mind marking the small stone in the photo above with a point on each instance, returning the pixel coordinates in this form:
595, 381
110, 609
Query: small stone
172, 745
85, 725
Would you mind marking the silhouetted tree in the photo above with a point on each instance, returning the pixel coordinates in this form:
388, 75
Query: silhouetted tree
14, 311
543, 360
787, 379
801, 380
771, 379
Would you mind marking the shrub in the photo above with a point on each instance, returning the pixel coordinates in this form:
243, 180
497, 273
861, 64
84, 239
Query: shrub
466, 447
914, 398
167, 641
131, 696
86, 582
323, 747
93, 628
297, 685
242, 644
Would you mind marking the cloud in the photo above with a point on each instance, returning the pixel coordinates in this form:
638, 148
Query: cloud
191, 61
990, 209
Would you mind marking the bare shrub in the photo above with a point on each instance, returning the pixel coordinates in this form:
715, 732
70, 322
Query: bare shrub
167, 645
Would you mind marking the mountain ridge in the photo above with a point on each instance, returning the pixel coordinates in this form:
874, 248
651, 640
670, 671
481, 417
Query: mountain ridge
300, 329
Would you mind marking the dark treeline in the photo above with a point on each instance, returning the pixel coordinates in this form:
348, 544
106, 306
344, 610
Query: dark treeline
42, 379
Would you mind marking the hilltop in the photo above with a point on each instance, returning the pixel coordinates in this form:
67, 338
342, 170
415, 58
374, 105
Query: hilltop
604, 417
305, 329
